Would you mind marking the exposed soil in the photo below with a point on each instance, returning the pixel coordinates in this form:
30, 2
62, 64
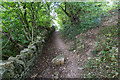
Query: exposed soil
74, 64
72, 68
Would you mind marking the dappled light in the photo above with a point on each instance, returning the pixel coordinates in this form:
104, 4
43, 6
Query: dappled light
55, 40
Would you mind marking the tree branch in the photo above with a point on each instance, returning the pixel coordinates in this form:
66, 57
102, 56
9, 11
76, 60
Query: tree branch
32, 12
24, 18
9, 37
24, 29
65, 11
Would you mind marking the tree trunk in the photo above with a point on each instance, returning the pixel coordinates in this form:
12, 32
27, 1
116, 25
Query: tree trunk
24, 29
33, 23
25, 20
9, 36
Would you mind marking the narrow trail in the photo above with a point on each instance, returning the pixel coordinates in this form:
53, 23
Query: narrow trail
72, 68
74, 64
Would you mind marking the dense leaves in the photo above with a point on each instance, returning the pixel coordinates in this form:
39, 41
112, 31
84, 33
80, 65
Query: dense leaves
21, 23
104, 61
76, 17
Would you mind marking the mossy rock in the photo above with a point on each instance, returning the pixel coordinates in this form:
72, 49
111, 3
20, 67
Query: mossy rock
58, 60
19, 65
7, 69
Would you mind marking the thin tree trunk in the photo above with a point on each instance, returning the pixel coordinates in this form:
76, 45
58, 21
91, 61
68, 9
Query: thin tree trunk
9, 35
10, 38
24, 29
25, 20
32, 11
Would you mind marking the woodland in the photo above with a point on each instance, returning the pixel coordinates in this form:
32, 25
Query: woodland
86, 28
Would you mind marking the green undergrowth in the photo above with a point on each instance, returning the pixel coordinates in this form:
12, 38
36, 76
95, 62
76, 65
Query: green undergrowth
78, 44
71, 32
104, 62
21, 24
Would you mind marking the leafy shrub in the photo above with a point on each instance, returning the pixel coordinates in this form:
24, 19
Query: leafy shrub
21, 23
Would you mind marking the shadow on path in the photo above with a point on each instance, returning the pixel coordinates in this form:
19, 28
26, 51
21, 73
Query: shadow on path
44, 68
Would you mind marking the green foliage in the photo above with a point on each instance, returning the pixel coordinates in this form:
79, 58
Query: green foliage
72, 47
77, 17
21, 23
110, 31
103, 66
104, 62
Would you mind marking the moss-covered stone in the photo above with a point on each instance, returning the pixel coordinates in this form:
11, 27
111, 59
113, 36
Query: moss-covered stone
32, 48
7, 69
19, 66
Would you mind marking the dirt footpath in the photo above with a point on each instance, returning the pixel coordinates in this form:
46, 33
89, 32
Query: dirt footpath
72, 68
74, 64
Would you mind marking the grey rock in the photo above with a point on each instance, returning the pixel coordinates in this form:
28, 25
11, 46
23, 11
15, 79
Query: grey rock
58, 60
32, 47
7, 69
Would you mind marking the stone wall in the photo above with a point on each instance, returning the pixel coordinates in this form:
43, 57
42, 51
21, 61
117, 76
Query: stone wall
18, 67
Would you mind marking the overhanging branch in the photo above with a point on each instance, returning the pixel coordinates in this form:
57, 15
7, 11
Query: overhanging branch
65, 11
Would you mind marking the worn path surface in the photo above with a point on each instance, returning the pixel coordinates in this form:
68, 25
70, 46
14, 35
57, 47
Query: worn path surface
72, 68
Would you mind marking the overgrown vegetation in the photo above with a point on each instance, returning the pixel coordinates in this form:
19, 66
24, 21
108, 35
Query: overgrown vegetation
104, 61
21, 23
76, 18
